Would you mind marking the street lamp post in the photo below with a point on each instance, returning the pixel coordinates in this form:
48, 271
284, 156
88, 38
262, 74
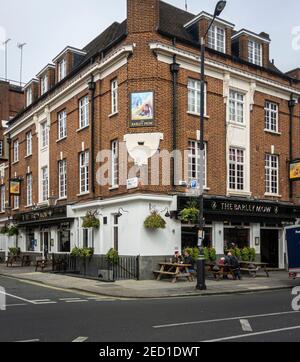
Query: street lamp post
201, 260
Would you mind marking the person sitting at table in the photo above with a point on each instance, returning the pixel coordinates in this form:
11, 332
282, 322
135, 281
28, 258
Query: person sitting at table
177, 259
189, 260
233, 262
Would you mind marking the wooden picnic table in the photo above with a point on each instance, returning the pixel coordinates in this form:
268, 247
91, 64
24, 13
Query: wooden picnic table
174, 271
42, 264
253, 271
224, 271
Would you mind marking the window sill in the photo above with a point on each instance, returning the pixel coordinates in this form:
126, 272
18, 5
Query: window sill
238, 193
15, 163
114, 188
62, 199
197, 114
273, 195
82, 129
28, 156
44, 149
28, 206
237, 125
83, 194
61, 139
17, 209
273, 132
113, 114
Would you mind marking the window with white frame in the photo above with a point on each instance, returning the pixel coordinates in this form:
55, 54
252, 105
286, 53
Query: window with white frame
272, 174
84, 171
16, 202
236, 169
114, 96
271, 116
29, 189
3, 198
194, 162
62, 125
236, 107
28, 144
114, 163
44, 84
28, 96
255, 52
44, 135
116, 232
83, 112
216, 38
62, 179
1, 148
62, 69
194, 90
45, 184
16, 151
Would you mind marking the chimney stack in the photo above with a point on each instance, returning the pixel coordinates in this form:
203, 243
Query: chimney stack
142, 16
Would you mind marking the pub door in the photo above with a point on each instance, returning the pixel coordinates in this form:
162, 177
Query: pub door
45, 243
270, 247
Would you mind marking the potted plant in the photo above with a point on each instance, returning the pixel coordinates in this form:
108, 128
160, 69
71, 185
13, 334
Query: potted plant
190, 214
14, 251
245, 254
91, 221
154, 221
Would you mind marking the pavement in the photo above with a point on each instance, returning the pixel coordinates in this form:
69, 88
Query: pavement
151, 288
38, 313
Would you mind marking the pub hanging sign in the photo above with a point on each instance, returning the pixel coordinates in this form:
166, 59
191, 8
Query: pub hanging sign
15, 187
295, 170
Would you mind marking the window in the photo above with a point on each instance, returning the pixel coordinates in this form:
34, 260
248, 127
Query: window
84, 112
44, 84
16, 151
64, 244
255, 52
194, 162
116, 232
2, 198
28, 144
1, 149
45, 192
62, 125
236, 169
115, 163
28, 97
84, 172
62, 179
271, 116
16, 202
194, 89
236, 107
114, 96
44, 134
216, 38
29, 189
272, 174
62, 70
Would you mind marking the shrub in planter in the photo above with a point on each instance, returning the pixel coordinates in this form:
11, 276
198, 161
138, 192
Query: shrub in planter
154, 221
14, 251
76, 252
190, 214
252, 254
112, 256
245, 254
87, 252
212, 254
91, 221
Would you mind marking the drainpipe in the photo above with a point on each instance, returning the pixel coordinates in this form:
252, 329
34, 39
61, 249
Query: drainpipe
92, 89
292, 104
9, 168
174, 70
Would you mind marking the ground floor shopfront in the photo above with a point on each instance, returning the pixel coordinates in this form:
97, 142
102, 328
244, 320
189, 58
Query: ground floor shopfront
257, 224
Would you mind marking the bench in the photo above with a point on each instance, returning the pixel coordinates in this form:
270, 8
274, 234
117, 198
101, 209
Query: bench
175, 271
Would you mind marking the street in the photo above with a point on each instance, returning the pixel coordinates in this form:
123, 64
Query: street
36, 313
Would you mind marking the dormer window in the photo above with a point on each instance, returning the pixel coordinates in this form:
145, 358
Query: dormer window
255, 52
216, 38
44, 84
28, 96
62, 69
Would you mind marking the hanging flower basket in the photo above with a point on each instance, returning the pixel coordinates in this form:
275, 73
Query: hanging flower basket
90, 221
190, 214
154, 221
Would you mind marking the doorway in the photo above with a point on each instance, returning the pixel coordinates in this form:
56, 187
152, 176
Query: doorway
270, 247
45, 243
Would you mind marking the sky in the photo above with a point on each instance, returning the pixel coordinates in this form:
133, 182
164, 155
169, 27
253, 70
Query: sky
48, 27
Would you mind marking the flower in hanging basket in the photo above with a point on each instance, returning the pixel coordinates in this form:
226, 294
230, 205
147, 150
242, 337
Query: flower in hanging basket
190, 214
90, 221
154, 221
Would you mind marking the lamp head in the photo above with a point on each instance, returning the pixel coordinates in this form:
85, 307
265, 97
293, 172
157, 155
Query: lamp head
220, 7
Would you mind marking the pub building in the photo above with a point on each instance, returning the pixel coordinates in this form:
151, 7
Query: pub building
137, 86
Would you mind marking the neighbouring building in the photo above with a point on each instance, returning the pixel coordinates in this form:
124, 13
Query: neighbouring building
101, 123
